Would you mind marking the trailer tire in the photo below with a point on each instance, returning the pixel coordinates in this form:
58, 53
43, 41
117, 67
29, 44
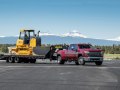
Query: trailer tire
32, 60
59, 60
18, 60
11, 59
26, 60
7, 60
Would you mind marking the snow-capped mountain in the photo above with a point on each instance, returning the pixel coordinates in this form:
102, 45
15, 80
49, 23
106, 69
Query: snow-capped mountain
74, 34
115, 39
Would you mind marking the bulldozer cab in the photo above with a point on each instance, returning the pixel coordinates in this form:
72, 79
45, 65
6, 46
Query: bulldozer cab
26, 35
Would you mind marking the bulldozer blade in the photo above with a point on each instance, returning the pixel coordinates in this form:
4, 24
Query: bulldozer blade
45, 51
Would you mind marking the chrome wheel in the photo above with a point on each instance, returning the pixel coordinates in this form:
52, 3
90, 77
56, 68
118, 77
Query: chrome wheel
80, 61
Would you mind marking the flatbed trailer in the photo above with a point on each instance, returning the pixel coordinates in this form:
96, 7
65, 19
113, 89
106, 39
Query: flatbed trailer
21, 58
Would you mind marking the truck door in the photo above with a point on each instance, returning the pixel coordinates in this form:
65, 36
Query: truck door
75, 51
71, 53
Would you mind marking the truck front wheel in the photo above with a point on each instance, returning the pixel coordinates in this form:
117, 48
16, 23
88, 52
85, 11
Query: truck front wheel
80, 61
60, 61
98, 63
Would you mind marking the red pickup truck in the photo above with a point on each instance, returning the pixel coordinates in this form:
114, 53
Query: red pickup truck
80, 54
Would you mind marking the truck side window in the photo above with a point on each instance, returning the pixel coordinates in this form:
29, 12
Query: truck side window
71, 47
75, 47
81, 47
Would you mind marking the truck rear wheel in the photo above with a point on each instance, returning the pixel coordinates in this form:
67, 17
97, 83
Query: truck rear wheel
80, 61
98, 63
60, 61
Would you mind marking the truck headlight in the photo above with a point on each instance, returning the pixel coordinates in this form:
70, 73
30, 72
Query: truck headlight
102, 52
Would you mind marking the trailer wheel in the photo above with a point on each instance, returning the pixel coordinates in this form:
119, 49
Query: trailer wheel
26, 60
98, 63
7, 60
11, 59
17, 60
59, 60
32, 60
80, 61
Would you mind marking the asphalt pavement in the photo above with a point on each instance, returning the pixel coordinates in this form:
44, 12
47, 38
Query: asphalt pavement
51, 76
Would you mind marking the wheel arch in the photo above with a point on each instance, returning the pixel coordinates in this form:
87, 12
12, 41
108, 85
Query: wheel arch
79, 55
58, 55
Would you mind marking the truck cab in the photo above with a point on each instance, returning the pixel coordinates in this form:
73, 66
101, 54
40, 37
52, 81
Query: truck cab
80, 54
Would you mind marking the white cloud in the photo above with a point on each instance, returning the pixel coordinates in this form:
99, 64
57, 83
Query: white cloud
46, 34
2, 36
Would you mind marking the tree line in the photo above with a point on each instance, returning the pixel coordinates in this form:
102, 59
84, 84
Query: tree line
114, 49
4, 47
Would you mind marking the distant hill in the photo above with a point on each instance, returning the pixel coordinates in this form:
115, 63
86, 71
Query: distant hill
52, 39
68, 38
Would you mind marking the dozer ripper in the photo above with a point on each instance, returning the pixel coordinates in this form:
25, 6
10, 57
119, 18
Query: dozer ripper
28, 48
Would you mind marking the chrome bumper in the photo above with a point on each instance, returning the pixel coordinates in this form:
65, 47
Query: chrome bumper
93, 59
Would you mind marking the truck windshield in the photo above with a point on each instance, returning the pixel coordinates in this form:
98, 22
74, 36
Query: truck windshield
85, 46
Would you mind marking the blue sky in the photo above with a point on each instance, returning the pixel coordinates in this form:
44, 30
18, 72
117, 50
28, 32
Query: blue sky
93, 18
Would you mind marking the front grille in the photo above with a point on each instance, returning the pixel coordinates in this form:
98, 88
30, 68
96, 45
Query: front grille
95, 54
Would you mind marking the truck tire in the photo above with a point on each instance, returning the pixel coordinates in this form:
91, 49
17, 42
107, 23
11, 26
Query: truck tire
59, 60
98, 63
80, 61
18, 60
32, 60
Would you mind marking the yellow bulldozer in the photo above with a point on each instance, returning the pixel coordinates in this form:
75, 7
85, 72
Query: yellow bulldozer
26, 42
28, 48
